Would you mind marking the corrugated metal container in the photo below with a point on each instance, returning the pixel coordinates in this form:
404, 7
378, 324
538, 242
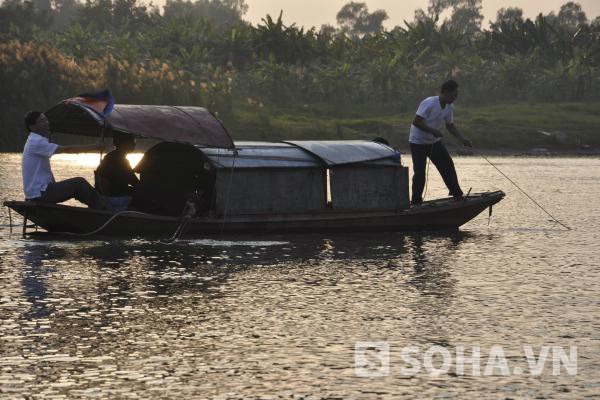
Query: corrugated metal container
260, 178
291, 177
369, 187
270, 190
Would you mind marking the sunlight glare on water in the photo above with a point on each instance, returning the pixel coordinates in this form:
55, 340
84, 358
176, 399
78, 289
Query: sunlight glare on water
279, 316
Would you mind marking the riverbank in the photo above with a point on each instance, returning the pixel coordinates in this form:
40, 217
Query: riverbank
530, 128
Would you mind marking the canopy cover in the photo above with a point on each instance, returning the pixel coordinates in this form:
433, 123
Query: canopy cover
304, 154
340, 152
96, 115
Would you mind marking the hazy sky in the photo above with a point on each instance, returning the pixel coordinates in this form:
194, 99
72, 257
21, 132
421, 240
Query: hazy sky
317, 12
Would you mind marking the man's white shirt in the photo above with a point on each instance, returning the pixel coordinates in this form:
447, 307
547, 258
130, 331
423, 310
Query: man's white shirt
35, 165
435, 117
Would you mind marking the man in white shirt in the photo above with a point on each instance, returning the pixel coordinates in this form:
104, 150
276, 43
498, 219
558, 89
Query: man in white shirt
38, 180
426, 141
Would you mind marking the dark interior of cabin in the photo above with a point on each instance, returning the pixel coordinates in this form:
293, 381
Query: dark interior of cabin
170, 174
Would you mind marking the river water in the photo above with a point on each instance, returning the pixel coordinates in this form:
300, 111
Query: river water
284, 316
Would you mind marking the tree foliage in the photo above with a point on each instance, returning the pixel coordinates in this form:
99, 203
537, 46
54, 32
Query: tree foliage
203, 53
354, 19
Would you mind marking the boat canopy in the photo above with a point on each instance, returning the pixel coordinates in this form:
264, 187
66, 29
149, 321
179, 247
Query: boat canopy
193, 125
302, 154
261, 155
339, 152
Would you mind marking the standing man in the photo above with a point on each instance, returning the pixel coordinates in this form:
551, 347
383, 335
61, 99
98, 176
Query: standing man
38, 180
426, 141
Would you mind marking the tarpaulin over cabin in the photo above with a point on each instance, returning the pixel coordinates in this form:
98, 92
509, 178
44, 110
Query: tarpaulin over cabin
262, 155
303, 154
341, 152
96, 115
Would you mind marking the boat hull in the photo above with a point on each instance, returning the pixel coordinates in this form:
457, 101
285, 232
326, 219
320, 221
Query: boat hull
435, 215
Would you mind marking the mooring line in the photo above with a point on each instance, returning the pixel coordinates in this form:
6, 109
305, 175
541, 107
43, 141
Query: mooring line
104, 225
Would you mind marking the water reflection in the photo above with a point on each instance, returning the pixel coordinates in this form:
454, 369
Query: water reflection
243, 317
274, 315
433, 258
34, 282
124, 273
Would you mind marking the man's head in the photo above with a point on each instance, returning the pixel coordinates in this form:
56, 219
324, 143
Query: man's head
36, 121
123, 142
449, 91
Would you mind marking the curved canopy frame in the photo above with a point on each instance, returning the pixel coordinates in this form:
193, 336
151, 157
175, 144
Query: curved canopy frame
193, 125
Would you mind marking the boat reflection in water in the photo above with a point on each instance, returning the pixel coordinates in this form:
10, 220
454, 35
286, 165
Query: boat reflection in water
116, 314
118, 267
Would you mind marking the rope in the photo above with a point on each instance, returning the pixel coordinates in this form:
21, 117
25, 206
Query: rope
427, 173
102, 141
10, 219
189, 211
228, 191
176, 235
111, 219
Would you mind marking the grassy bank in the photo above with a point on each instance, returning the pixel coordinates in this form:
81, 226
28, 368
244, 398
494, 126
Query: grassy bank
517, 126
505, 128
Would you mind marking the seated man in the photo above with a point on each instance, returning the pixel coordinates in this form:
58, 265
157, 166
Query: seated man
38, 180
114, 176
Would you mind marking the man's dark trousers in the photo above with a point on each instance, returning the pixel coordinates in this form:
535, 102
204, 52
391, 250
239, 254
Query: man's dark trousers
77, 188
443, 162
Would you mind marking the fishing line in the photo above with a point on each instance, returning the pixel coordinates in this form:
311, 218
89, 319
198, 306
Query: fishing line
523, 191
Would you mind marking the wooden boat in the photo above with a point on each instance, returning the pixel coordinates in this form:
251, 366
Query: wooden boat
442, 214
202, 183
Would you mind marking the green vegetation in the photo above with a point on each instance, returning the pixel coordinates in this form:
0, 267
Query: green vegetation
274, 81
506, 126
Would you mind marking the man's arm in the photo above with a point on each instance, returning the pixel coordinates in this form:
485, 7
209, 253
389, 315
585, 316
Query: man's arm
453, 130
86, 148
419, 122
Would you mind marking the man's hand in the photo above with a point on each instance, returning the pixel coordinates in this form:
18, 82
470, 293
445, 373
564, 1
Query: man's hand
452, 129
